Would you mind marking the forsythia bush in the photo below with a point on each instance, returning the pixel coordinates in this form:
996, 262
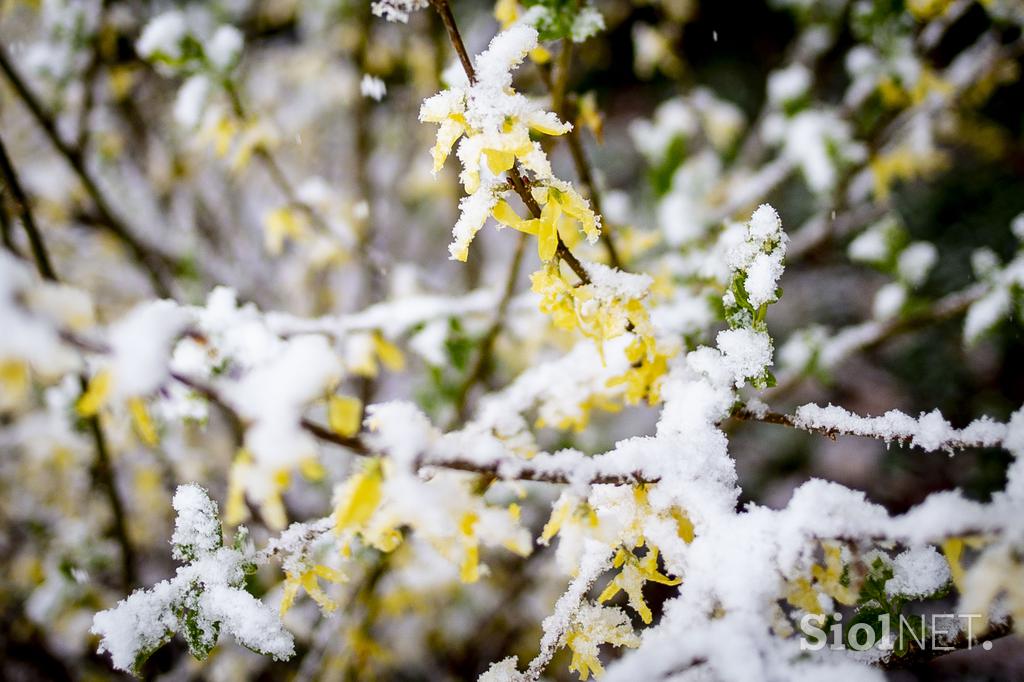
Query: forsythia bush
573, 444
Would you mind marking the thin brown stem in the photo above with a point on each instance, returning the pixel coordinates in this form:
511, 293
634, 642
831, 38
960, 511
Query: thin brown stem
103, 471
794, 422
483, 356
158, 265
12, 187
105, 477
444, 10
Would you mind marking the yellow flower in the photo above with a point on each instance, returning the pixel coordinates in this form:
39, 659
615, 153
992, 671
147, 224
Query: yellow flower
343, 415
143, 422
635, 572
830, 576
568, 509
579, 422
284, 223
469, 572
589, 116
557, 296
272, 506
596, 625
95, 395
506, 12
641, 380
235, 510
555, 201
801, 594
14, 380
359, 498
308, 580
372, 349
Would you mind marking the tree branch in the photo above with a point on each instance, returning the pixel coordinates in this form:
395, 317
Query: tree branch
104, 473
514, 174
483, 356
158, 265
20, 202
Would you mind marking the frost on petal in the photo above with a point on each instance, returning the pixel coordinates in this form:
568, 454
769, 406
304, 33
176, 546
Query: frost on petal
475, 209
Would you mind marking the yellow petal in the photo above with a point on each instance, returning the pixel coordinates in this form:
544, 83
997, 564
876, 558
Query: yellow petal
559, 515
505, 214
953, 549
388, 353
291, 590
344, 414
312, 469
448, 133
506, 12
95, 395
547, 239
362, 495
143, 423
499, 160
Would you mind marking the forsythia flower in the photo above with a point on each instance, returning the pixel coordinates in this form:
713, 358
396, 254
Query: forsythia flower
604, 309
507, 12
343, 415
828, 579
143, 422
596, 625
492, 124
308, 579
362, 352
635, 572
557, 199
281, 224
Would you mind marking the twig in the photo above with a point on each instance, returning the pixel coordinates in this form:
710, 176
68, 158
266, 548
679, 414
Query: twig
514, 174
520, 470
158, 265
483, 356
104, 473
873, 334
13, 187
794, 422
577, 153
271, 164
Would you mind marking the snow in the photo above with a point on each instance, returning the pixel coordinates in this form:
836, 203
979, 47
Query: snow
918, 573
206, 592
140, 344
610, 283
224, 48
191, 101
196, 526
163, 35
372, 87
930, 431
763, 275
889, 300
788, 84
397, 10
475, 209
745, 353
916, 261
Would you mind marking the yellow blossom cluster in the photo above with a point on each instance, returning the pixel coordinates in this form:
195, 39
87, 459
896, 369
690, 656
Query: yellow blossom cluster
602, 315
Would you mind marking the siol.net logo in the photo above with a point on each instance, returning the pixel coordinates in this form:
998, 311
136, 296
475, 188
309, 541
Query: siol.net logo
936, 632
